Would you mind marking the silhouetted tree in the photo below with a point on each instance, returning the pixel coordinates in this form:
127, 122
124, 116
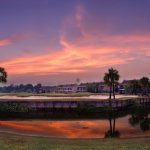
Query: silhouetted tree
134, 87
38, 88
144, 81
92, 87
111, 78
3, 75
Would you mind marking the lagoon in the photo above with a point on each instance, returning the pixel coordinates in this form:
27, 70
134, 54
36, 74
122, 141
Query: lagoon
73, 129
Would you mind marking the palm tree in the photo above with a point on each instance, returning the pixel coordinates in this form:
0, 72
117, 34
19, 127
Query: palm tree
144, 81
3, 75
111, 78
108, 82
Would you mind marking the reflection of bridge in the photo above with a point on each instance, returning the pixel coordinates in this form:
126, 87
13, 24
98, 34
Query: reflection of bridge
75, 104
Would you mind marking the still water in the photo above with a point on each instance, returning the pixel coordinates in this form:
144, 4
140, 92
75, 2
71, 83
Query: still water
76, 128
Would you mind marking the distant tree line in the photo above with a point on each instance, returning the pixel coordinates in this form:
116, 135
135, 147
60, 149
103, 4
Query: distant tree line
93, 87
111, 79
21, 88
140, 86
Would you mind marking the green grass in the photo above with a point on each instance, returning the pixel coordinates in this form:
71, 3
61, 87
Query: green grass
16, 142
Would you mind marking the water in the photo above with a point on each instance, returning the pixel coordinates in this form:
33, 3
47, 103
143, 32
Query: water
75, 128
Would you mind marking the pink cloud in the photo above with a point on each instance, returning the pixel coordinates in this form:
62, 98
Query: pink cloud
5, 42
13, 39
83, 51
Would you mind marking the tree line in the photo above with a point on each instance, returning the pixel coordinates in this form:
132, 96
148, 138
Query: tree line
111, 79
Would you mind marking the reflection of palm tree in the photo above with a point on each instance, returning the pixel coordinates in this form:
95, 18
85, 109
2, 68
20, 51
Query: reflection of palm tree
112, 132
110, 125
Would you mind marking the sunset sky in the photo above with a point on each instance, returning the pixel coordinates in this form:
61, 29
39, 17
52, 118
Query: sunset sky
57, 41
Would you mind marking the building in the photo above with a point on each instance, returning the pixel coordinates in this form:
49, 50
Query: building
49, 89
68, 88
82, 87
102, 88
123, 86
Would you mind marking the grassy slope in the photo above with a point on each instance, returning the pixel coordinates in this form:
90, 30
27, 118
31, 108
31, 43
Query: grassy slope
16, 142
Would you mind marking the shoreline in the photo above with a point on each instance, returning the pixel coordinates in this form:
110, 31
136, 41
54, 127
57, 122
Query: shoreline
65, 138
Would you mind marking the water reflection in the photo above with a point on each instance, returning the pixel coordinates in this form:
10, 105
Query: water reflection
134, 123
77, 129
141, 119
61, 129
112, 132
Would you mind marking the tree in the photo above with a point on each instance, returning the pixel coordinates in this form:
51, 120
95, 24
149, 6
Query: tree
144, 81
38, 88
134, 87
111, 78
29, 88
3, 75
92, 87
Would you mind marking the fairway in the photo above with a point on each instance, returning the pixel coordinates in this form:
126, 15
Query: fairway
62, 97
18, 142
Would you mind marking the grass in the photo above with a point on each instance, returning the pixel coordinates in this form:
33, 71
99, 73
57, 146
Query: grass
52, 99
18, 142
59, 96
62, 99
